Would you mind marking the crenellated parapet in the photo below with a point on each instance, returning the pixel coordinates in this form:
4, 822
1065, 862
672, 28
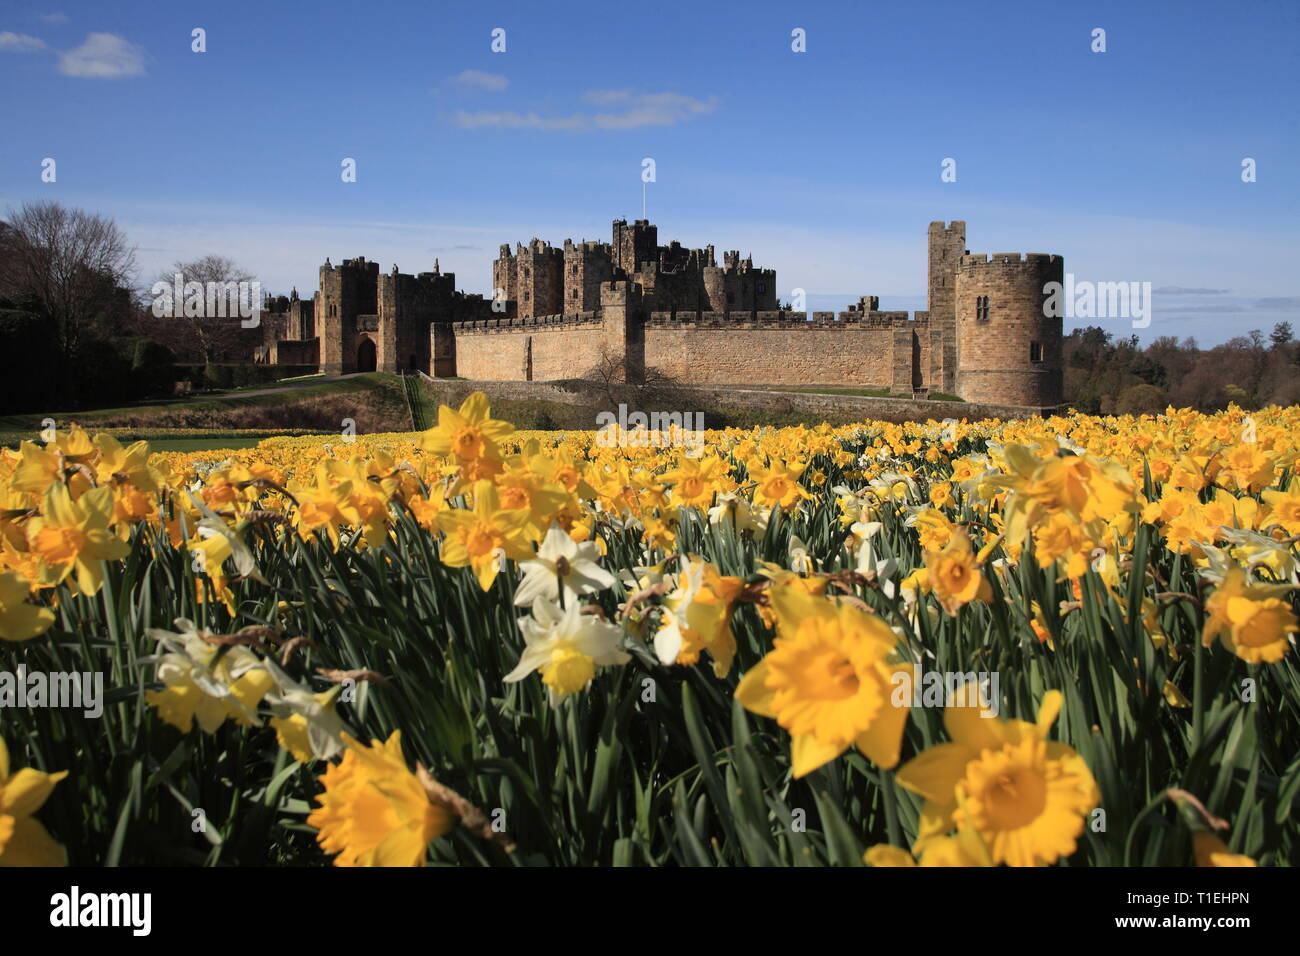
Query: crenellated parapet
849, 321
520, 323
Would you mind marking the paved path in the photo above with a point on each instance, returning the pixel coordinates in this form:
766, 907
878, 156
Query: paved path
273, 389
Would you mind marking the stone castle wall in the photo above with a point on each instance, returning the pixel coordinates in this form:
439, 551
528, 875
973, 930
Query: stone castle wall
552, 348
773, 349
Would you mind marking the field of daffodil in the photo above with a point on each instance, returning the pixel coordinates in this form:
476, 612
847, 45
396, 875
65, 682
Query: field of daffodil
1060, 641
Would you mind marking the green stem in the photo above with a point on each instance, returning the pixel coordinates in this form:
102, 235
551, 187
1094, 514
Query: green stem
1198, 697
891, 810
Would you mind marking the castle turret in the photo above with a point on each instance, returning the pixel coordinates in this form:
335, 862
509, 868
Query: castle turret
505, 282
587, 265
634, 244
715, 288
1008, 347
539, 272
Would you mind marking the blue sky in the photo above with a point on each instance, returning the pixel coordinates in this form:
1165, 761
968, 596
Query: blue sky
825, 165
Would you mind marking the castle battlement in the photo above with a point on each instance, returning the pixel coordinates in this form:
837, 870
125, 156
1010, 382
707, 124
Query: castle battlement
620, 287
587, 245
359, 264
1008, 258
853, 321
529, 322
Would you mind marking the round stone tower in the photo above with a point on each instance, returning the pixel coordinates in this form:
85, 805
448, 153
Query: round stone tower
715, 289
1008, 347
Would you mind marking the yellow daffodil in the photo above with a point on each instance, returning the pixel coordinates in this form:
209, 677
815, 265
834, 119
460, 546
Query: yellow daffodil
23, 840
1251, 620
699, 618
962, 849
374, 811
1025, 796
828, 681
1211, 851
19, 620
953, 575
483, 537
469, 434
73, 536
777, 485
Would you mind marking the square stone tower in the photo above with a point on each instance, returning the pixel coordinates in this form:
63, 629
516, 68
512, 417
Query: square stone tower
947, 244
634, 244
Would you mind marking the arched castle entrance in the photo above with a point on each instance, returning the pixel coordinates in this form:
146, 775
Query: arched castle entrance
366, 356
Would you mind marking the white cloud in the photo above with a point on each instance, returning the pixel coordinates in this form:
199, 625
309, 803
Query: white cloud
646, 109
637, 110
20, 43
508, 119
478, 80
103, 56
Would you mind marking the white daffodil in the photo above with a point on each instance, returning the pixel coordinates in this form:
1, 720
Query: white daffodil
892, 485
562, 564
1247, 549
305, 723
735, 510
669, 639
205, 682
1069, 445
801, 562
868, 561
211, 525
863, 530
566, 646
636, 581
642, 577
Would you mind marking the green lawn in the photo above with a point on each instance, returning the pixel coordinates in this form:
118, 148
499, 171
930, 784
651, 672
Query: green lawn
286, 390
861, 392
201, 444
285, 382
151, 417
153, 426
172, 439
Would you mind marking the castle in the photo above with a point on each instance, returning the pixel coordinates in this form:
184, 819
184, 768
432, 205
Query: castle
632, 304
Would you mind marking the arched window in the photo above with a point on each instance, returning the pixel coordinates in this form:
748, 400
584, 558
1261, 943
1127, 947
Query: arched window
981, 308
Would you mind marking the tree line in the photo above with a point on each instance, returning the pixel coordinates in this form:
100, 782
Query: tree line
76, 332
1104, 375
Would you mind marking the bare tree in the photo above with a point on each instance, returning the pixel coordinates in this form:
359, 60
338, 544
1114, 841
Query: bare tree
609, 374
71, 262
212, 338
